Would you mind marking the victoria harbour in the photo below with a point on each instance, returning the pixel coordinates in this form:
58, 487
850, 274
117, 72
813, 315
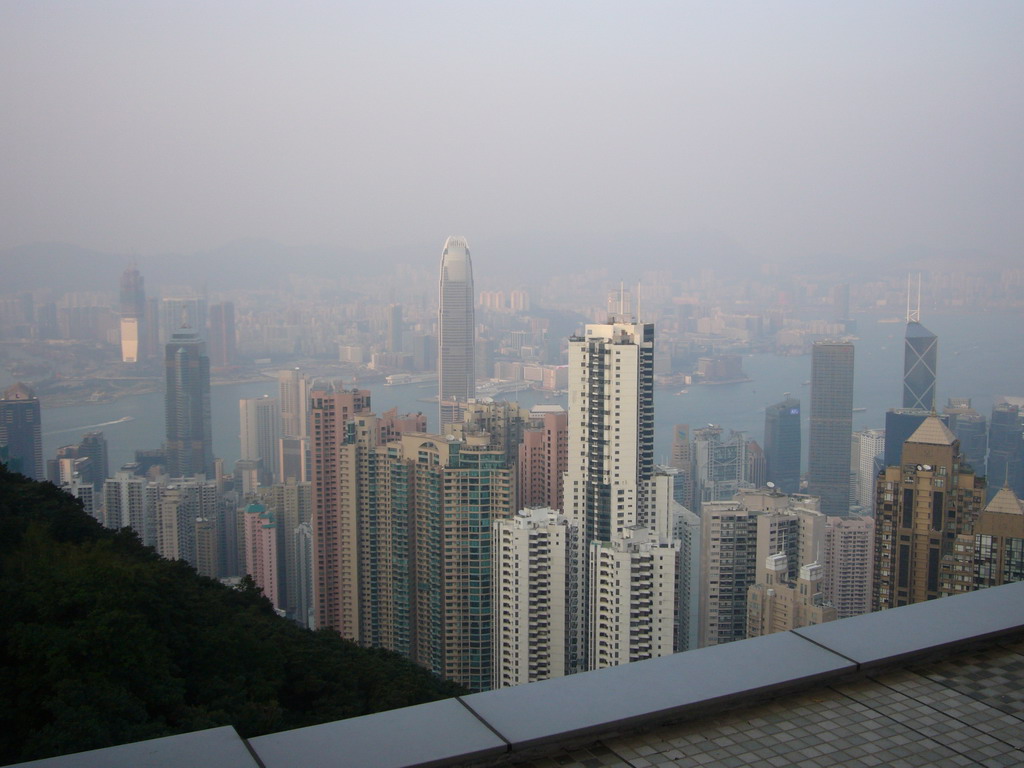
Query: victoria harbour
980, 356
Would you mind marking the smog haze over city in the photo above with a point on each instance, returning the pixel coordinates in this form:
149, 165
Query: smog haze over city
327, 299
550, 133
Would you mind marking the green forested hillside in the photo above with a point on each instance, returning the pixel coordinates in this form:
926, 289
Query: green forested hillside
103, 642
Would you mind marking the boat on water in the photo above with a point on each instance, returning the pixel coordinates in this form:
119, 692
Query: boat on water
859, 410
409, 378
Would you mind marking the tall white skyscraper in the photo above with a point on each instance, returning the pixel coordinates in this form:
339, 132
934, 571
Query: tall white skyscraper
849, 556
260, 424
868, 446
610, 480
632, 595
293, 393
126, 505
530, 562
455, 328
619, 500
292, 451
607, 582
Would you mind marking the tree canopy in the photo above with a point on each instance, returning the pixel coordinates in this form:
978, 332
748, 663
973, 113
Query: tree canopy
103, 642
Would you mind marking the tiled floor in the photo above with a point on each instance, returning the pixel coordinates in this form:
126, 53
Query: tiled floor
968, 711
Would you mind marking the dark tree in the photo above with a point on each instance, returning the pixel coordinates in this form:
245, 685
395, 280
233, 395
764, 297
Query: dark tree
103, 642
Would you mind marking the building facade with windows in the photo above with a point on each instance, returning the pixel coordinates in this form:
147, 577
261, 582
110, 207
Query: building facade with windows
21, 431
831, 425
922, 506
530, 556
619, 500
783, 444
456, 329
187, 406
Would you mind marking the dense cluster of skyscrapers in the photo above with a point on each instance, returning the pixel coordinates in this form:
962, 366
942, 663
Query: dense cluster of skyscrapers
516, 545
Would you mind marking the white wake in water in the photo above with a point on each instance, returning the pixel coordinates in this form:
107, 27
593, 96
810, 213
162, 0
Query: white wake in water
87, 427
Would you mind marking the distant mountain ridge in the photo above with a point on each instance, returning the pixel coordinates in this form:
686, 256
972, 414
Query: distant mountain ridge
527, 258
262, 263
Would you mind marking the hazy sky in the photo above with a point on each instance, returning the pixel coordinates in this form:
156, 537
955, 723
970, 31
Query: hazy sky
793, 128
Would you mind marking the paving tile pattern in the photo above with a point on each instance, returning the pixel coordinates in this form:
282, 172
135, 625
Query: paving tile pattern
968, 711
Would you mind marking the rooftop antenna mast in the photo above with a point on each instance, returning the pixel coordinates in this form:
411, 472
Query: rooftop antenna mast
914, 313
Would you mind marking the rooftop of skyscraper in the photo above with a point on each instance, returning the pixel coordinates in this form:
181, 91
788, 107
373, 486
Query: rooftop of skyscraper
18, 391
939, 683
917, 331
933, 432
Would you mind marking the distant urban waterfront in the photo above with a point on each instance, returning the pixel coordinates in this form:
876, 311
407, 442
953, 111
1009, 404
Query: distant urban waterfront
980, 356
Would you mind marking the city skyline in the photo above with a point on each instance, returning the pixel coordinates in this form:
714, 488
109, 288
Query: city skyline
226, 338
364, 547
620, 524
958, 379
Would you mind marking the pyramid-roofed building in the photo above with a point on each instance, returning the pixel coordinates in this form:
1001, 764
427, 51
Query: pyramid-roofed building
932, 432
1005, 502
